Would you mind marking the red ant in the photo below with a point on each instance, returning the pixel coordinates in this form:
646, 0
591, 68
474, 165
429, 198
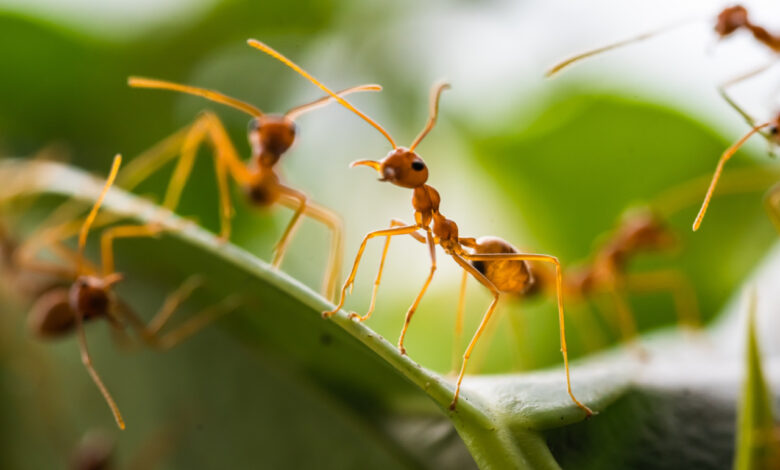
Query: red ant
61, 310
729, 21
504, 269
270, 136
640, 231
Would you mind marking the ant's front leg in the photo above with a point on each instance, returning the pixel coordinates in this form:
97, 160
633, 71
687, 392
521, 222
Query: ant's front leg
378, 280
392, 232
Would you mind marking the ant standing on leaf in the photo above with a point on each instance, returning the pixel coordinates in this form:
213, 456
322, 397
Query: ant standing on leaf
270, 136
62, 310
493, 262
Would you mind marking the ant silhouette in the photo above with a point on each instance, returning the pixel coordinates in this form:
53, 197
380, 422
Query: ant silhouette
729, 21
270, 136
62, 310
502, 270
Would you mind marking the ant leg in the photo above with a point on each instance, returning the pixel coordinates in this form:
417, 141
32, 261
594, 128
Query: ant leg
675, 282
123, 231
772, 204
559, 293
146, 164
594, 338
87, 361
173, 301
416, 236
413, 308
333, 223
392, 232
485, 318
458, 336
293, 199
722, 90
150, 333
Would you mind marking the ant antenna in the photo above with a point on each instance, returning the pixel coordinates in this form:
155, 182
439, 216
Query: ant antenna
140, 82
723, 159
276, 55
305, 108
562, 65
436, 92
93, 213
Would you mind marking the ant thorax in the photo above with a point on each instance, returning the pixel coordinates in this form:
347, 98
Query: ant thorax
263, 190
425, 201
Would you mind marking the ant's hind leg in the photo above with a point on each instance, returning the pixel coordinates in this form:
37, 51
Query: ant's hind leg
559, 295
676, 283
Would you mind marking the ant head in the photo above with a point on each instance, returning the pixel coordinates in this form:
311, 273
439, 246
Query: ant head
774, 129
401, 166
645, 230
91, 295
271, 136
730, 20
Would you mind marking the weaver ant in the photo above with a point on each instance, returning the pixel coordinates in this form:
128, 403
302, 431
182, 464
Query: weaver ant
270, 136
729, 21
496, 265
62, 310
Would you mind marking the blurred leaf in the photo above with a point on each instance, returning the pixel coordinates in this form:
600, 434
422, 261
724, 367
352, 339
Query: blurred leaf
757, 443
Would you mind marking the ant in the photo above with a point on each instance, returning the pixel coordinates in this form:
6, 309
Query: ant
270, 136
639, 231
62, 310
501, 268
729, 21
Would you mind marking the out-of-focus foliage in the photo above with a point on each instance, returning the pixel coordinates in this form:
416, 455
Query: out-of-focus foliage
552, 181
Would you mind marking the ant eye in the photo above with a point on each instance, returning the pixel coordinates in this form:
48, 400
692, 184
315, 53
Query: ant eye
773, 130
253, 125
418, 165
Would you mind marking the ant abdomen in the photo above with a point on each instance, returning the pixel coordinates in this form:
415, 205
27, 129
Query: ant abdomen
510, 276
51, 315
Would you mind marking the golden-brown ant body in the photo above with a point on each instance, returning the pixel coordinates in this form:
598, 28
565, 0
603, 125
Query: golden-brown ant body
640, 231
405, 168
63, 310
270, 136
728, 21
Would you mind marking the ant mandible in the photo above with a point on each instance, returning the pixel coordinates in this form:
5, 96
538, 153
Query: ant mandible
61, 310
503, 268
729, 21
270, 136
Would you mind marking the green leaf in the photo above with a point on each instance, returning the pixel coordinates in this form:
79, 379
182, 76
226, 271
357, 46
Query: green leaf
757, 444
497, 419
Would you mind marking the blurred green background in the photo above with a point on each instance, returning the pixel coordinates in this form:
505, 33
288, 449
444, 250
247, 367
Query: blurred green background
552, 172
